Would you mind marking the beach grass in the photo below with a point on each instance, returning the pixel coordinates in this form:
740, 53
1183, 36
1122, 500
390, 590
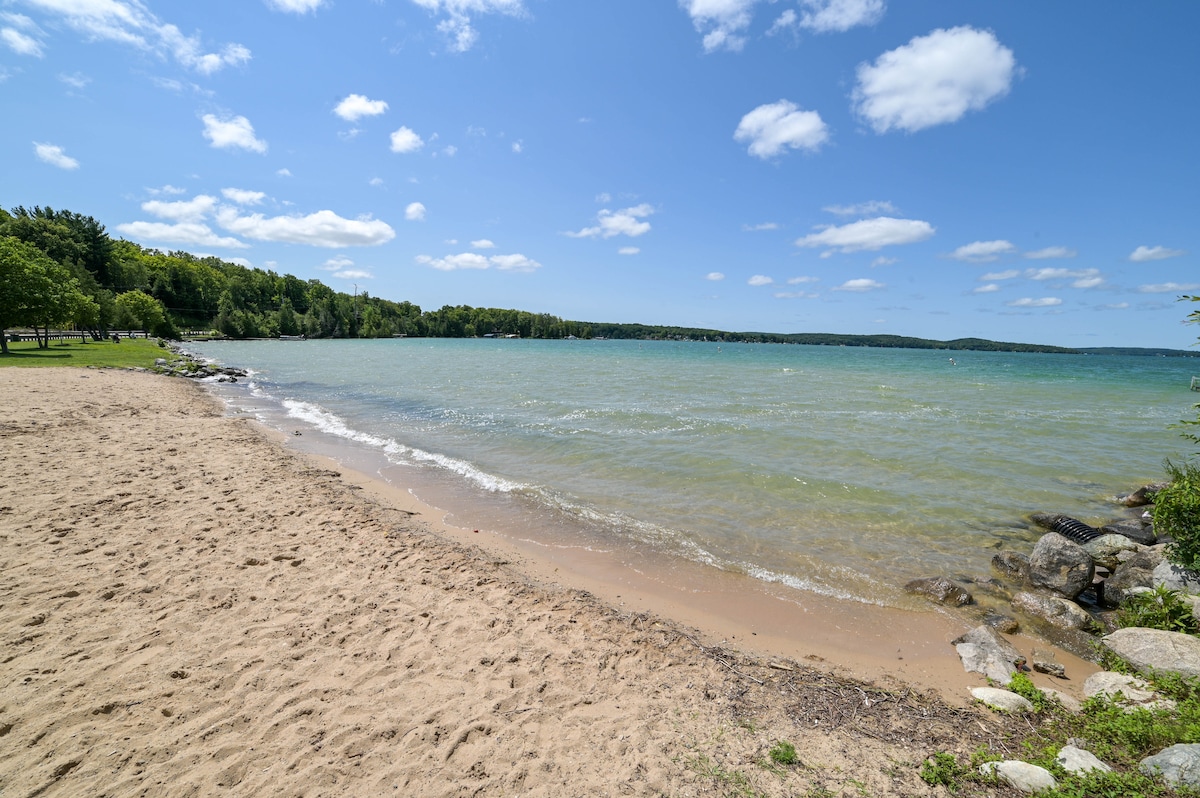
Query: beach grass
129, 353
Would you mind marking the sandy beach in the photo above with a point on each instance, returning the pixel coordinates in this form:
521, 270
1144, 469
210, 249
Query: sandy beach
188, 607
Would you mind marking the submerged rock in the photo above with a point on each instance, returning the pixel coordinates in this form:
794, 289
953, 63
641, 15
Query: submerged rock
1011, 565
941, 590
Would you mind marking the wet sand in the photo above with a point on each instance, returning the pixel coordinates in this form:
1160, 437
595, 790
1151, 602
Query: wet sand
190, 608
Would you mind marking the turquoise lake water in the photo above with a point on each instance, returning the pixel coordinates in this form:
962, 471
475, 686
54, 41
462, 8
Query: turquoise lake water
844, 471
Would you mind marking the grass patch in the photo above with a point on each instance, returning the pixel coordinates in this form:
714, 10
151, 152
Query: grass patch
129, 353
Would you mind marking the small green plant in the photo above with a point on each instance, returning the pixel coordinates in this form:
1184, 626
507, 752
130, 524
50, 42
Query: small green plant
1177, 513
943, 768
784, 753
1160, 608
1023, 686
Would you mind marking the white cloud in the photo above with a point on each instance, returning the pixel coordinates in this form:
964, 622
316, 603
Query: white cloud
987, 289
54, 155
759, 279
1168, 288
983, 251
414, 212
354, 274
773, 127
788, 20
356, 106
723, 22
863, 209
168, 189
320, 229
1051, 252
20, 43
860, 285
1093, 281
285, 172
795, 295
193, 210
629, 250
405, 140
242, 196
714, 276
1004, 275
235, 132
1028, 302
76, 81
457, 22
623, 222
757, 228
483, 243
130, 23
295, 6
336, 263
604, 198
1143, 254
882, 261
1117, 306
517, 147
934, 79
449, 150
375, 181
869, 234
515, 263
1084, 278
191, 233
828, 16
802, 280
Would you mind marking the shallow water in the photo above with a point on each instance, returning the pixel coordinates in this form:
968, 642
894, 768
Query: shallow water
840, 470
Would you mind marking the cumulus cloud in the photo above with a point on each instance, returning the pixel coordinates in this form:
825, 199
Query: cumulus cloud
130, 23
456, 24
232, 132
336, 263
1004, 275
829, 16
23, 41
1051, 253
1083, 278
321, 229
863, 209
354, 274
757, 228
77, 80
786, 21
869, 234
759, 279
882, 261
188, 233
987, 289
714, 276
629, 250
54, 155
193, 210
722, 22
1168, 288
242, 196
627, 221
1029, 302
983, 251
473, 260
284, 172
414, 212
295, 6
934, 79
356, 106
803, 280
483, 243
517, 147
1143, 254
774, 127
860, 285
405, 140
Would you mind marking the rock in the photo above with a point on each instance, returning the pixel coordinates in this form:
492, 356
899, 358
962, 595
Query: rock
1045, 520
1067, 702
1005, 624
1134, 692
1011, 565
1135, 572
1142, 496
1105, 550
1155, 649
1173, 577
1077, 760
1060, 566
1053, 610
1136, 529
1178, 765
1003, 700
1050, 668
1020, 775
941, 590
983, 650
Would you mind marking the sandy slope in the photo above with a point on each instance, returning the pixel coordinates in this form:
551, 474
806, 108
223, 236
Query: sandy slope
186, 608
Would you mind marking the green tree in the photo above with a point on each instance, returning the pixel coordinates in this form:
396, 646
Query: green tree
139, 310
37, 292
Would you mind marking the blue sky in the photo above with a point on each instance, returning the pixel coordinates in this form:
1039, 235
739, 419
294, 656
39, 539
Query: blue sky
1017, 171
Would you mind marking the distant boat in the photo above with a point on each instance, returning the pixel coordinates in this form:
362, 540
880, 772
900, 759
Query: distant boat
293, 338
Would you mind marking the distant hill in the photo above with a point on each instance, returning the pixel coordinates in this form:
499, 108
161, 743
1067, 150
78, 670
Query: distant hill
1139, 351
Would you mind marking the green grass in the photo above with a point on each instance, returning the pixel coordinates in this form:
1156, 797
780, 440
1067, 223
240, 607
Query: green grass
127, 354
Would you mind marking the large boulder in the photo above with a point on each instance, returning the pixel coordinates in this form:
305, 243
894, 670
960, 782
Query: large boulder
1174, 577
1060, 566
984, 650
1053, 610
1020, 775
1078, 760
1129, 691
1156, 650
1011, 565
1136, 529
1106, 549
1178, 765
941, 590
1142, 496
1136, 571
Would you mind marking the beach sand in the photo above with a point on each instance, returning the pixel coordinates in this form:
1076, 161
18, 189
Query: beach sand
188, 607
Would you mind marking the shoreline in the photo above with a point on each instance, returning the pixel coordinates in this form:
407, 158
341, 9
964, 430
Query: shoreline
192, 606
